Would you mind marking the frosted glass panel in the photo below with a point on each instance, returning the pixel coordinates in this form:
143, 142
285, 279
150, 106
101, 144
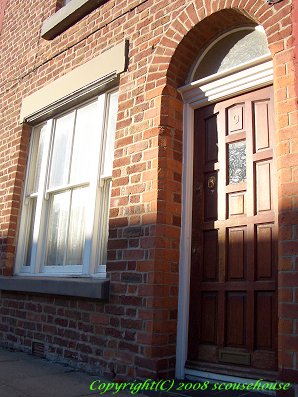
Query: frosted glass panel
233, 50
110, 138
76, 227
61, 151
57, 229
84, 146
237, 162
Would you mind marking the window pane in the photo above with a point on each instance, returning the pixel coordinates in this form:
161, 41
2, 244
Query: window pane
37, 153
84, 146
31, 218
110, 139
61, 151
101, 253
57, 229
76, 232
237, 162
40, 155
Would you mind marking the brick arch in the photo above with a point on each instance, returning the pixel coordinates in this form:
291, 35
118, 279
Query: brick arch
201, 21
189, 33
200, 36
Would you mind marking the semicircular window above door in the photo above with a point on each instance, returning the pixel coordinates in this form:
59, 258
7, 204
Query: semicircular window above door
231, 50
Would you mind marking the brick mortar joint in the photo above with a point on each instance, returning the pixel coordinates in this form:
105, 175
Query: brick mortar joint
35, 68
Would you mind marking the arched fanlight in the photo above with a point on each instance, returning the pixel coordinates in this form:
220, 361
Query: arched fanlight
231, 50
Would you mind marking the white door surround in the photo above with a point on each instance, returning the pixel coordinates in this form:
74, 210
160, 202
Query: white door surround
242, 79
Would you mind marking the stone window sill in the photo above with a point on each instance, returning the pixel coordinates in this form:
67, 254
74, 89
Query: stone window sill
94, 288
68, 16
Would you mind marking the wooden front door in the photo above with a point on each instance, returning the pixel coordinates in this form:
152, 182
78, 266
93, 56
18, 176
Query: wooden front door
233, 314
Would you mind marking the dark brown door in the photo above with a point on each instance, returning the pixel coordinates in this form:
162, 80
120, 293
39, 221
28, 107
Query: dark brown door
233, 316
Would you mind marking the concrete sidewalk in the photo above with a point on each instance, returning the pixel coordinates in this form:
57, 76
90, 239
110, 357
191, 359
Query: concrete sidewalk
23, 375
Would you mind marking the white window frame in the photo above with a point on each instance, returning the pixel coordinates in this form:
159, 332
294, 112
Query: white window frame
96, 226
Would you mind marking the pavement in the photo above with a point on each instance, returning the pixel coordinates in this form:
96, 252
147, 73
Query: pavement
24, 375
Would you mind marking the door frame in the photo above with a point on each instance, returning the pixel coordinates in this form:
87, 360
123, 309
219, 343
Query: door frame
214, 88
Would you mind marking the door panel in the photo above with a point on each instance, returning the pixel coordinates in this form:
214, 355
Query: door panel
233, 272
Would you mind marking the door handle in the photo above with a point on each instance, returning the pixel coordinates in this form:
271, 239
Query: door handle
198, 187
195, 250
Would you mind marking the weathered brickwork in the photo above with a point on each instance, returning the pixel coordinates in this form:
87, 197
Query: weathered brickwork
134, 334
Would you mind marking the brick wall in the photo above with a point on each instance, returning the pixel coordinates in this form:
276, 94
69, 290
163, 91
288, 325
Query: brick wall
2, 9
134, 333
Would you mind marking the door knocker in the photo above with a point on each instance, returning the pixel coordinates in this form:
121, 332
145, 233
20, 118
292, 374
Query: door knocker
211, 182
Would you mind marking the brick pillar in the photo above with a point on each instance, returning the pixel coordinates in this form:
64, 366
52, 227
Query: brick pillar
287, 165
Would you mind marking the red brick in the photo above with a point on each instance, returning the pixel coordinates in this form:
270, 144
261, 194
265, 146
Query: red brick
288, 310
285, 295
99, 318
289, 342
286, 263
285, 326
286, 359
